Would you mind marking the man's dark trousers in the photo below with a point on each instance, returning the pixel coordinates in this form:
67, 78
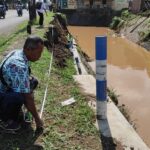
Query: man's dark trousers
11, 102
41, 19
10, 105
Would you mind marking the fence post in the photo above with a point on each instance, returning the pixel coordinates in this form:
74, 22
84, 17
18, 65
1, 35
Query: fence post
101, 80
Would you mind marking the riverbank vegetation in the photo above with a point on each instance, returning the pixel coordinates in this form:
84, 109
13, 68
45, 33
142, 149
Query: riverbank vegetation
136, 27
122, 20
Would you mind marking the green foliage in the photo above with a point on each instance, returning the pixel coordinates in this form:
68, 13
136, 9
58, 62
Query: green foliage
83, 119
5, 41
113, 96
116, 23
145, 13
144, 35
67, 72
63, 16
126, 15
49, 17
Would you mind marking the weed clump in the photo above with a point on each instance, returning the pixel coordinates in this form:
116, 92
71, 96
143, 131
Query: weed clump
144, 35
123, 109
117, 22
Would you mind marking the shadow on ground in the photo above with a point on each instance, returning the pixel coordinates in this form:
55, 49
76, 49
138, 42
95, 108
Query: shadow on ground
23, 140
108, 142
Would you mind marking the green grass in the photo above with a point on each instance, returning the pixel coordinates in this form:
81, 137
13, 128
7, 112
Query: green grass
5, 41
65, 122
117, 22
113, 96
66, 128
126, 15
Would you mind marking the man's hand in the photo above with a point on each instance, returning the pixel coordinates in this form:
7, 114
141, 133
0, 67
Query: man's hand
39, 123
30, 105
39, 126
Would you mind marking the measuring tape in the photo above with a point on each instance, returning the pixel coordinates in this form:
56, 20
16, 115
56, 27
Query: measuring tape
49, 71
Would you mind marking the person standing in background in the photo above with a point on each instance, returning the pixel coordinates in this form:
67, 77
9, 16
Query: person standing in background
40, 7
50, 5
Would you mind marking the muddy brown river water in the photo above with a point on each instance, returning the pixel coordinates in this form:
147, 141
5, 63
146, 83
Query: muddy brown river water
128, 72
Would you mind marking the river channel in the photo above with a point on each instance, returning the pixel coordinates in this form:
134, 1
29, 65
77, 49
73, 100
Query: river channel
128, 72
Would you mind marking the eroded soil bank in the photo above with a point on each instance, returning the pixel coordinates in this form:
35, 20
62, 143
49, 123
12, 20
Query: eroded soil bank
128, 72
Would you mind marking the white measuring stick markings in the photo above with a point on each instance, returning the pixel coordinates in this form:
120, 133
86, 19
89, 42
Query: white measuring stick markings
45, 94
49, 71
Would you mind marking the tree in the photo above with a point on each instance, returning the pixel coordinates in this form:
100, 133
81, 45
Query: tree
32, 10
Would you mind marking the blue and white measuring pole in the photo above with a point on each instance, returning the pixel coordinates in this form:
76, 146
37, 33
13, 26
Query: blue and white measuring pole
101, 79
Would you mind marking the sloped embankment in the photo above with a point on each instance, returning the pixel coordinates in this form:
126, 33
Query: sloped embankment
136, 27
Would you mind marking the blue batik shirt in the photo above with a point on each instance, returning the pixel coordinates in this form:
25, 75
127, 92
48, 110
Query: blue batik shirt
16, 73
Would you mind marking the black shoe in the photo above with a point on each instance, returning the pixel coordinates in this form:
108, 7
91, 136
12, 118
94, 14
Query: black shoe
9, 125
